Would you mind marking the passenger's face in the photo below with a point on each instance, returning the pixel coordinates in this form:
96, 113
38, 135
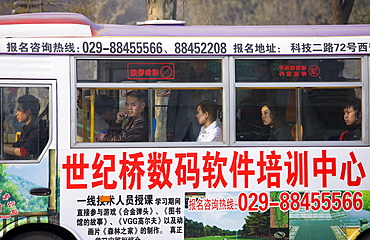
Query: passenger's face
133, 107
23, 116
201, 116
349, 115
266, 116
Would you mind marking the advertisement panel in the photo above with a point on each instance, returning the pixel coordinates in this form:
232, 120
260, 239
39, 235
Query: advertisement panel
218, 193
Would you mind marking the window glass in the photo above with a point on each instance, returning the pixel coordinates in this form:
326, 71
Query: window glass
25, 122
160, 114
148, 71
308, 114
149, 115
298, 70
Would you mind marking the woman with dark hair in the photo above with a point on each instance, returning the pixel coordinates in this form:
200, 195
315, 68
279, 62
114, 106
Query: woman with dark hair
273, 117
207, 115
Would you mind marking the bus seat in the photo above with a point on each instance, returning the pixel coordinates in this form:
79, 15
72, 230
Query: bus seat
154, 126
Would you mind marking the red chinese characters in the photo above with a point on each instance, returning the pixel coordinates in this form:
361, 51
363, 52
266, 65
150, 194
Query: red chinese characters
75, 170
270, 169
187, 171
240, 166
159, 170
347, 171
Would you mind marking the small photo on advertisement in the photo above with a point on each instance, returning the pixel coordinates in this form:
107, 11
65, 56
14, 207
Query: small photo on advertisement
309, 215
233, 215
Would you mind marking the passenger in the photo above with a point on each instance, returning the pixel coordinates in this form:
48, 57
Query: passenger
322, 108
249, 126
79, 99
34, 135
136, 129
104, 112
182, 124
207, 115
352, 117
273, 117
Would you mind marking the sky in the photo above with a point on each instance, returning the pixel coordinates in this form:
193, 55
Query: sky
27, 172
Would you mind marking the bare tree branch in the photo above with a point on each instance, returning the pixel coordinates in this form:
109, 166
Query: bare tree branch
341, 10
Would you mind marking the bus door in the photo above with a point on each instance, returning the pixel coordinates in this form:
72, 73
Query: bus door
27, 169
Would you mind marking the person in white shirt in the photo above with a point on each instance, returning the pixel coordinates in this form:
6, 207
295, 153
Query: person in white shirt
206, 115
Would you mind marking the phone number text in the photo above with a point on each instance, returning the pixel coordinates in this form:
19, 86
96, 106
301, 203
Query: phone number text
124, 47
287, 201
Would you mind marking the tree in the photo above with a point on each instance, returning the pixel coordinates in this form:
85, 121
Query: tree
272, 12
341, 10
161, 9
207, 230
193, 228
257, 224
8, 187
98, 11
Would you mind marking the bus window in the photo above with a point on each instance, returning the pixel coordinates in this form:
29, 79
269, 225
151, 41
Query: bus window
168, 71
298, 70
168, 114
309, 114
303, 100
184, 123
170, 109
25, 122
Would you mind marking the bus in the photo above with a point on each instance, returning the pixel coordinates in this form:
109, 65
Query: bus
161, 130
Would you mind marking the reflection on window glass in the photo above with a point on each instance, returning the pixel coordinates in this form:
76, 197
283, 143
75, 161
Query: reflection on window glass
149, 71
308, 114
129, 115
25, 118
298, 70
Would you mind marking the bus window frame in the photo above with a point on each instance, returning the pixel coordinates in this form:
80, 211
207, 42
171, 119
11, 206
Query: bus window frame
128, 85
363, 84
229, 86
36, 83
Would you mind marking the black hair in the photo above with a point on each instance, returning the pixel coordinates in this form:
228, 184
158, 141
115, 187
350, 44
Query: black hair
355, 103
30, 102
277, 112
209, 106
137, 94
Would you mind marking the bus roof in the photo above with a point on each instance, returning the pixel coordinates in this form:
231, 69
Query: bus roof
77, 25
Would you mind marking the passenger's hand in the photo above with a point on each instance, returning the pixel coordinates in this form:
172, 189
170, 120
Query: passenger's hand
169, 137
100, 137
122, 115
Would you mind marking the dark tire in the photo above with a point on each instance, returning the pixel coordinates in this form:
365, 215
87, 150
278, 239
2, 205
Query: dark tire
37, 235
364, 237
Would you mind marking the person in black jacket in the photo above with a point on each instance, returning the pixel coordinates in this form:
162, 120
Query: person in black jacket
34, 135
273, 118
136, 129
352, 117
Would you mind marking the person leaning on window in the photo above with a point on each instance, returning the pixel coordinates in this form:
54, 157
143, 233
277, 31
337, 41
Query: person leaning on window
274, 118
352, 117
136, 129
34, 135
